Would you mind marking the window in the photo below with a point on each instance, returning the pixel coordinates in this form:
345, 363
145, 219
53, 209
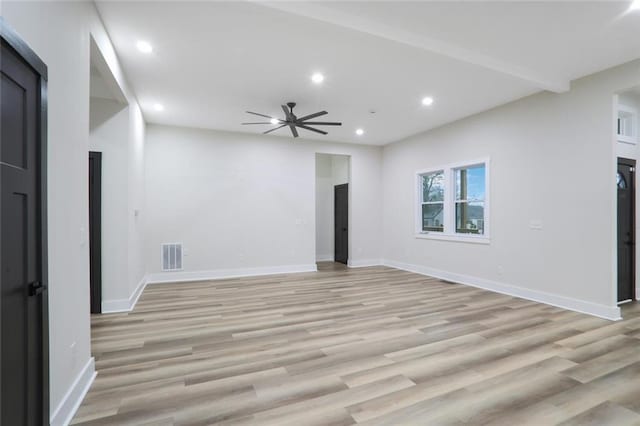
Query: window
453, 202
433, 202
470, 188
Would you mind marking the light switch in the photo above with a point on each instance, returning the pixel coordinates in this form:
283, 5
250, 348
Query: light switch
83, 236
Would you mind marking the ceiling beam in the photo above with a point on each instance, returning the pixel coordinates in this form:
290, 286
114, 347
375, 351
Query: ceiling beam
399, 35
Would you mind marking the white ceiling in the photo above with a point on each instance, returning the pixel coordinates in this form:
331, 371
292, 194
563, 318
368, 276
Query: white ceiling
214, 60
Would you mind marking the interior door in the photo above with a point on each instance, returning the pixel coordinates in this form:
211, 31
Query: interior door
95, 231
626, 229
341, 223
22, 245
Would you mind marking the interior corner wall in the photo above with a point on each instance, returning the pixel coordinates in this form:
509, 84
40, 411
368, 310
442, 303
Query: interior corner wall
110, 137
331, 170
117, 131
324, 208
255, 201
136, 192
59, 32
552, 160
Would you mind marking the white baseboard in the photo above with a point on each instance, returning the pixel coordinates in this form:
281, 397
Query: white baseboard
363, 263
602, 311
124, 305
115, 305
217, 274
64, 412
324, 258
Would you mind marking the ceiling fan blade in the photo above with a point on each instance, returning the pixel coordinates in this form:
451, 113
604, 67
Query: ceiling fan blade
287, 113
302, 126
314, 115
323, 123
262, 122
294, 131
275, 128
257, 113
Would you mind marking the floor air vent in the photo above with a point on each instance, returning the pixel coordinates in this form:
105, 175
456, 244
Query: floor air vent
172, 257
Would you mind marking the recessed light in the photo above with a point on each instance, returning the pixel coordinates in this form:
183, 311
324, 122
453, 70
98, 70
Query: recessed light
359, 132
275, 121
317, 78
144, 46
158, 107
427, 101
635, 5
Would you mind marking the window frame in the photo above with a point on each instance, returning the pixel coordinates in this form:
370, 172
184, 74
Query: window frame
449, 205
423, 202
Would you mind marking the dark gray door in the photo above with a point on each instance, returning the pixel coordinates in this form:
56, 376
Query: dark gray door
626, 229
341, 223
21, 243
95, 231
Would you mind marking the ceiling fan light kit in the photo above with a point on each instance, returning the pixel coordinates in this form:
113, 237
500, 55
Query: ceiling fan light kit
293, 122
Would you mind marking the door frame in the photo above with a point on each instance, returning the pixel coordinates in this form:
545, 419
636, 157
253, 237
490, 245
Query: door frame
631, 163
12, 39
95, 233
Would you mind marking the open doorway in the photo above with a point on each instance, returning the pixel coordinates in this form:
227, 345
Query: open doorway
332, 208
627, 141
107, 174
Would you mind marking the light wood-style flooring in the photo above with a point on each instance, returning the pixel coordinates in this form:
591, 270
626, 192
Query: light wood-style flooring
374, 346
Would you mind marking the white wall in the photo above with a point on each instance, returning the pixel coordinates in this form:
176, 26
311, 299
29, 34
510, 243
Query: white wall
59, 32
324, 208
117, 131
552, 159
110, 137
331, 170
136, 192
253, 198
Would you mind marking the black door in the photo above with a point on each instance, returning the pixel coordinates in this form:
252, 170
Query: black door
626, 229
95, 231
341, 223
23, 309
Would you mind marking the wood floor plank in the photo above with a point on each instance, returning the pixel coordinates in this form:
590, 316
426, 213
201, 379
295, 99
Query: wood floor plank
369, 346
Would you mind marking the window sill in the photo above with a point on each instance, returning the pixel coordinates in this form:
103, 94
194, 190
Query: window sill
473, 239
627, 139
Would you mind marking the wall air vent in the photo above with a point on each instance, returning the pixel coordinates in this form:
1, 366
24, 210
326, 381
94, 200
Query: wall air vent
172, 257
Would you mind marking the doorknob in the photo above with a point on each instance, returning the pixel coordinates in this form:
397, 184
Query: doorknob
36, 288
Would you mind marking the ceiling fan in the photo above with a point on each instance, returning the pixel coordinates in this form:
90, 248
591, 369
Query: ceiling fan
292, 121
